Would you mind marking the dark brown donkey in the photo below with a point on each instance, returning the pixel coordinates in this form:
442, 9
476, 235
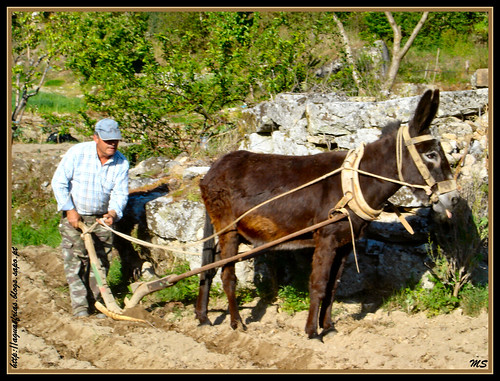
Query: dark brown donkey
241, 180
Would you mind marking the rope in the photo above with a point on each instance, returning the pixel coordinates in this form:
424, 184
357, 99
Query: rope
145, 243
230, 225
345, 212
402, 183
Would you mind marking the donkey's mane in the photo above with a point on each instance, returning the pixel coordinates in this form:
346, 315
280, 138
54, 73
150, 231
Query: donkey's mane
391, 127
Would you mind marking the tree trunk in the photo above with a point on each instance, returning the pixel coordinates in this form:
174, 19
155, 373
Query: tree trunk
350, 58
397, 52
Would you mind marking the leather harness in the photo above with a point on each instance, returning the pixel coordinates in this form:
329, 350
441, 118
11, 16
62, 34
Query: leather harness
353, 196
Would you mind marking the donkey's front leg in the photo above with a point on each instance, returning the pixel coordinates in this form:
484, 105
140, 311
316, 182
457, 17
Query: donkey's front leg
325, 315
322, 263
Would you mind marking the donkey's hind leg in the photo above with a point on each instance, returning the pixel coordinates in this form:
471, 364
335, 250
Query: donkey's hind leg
229, 243
204, 288
209, 255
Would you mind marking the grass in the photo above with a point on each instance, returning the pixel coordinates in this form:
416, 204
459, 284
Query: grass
457, 51
42, 229
185, 291
45, 102
439, 299
54, 82
292, 299
474, 299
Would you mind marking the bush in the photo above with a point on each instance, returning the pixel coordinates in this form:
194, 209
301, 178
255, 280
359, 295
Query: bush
439, 299
292, 299
474, 299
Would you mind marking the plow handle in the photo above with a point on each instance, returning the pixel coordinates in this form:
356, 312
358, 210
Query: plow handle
98, 271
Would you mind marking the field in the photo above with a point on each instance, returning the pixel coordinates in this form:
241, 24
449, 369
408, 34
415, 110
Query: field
51, 339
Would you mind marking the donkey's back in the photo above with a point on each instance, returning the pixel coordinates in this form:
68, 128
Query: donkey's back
241, 180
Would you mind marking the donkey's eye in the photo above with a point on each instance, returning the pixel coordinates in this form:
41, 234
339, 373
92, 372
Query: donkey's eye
431, 155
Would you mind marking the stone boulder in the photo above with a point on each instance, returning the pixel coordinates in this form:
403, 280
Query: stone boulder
175, 220
292, 119
480, 78
177, 223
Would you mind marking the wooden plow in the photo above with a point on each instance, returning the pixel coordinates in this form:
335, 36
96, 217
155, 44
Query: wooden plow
141, 289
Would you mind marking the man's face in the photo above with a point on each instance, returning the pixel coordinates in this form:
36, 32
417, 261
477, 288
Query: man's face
106, 148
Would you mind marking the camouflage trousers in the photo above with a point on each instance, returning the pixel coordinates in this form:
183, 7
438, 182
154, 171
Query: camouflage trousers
83, 287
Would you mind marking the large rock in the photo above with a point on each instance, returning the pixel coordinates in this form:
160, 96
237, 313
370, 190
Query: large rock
176, 223
279, 143
175, 220
462, 103
480, 78
299, 116
341, 118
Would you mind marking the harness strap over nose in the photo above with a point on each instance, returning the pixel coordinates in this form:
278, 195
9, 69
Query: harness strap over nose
437, 188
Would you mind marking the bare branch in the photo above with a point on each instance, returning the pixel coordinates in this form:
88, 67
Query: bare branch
347, 47
397, 52
414, 34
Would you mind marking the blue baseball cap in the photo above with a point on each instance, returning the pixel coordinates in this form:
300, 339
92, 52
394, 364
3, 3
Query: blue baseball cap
108, 129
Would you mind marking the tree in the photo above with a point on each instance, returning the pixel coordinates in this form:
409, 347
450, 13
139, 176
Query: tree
113, 59
397, 52
212, 61
33, 54
347, 47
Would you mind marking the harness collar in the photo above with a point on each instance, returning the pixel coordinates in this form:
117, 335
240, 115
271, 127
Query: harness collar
351, 188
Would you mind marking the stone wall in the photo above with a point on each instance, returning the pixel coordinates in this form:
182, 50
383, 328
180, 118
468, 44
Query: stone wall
301, 124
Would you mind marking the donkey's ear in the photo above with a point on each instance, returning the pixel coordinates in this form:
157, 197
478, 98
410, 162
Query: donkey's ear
424, 114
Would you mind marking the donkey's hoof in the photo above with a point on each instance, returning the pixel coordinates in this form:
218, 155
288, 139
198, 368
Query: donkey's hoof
238, 325
204, 322
328, 331
314, 335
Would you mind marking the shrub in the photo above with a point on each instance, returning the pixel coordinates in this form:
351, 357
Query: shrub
291, 299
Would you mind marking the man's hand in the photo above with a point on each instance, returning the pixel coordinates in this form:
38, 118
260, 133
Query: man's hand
109, 217
73, 218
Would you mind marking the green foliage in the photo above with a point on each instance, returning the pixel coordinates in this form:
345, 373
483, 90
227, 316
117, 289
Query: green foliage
212, 61
54, 82
165, 77
185, 290
34, 218
451, 289
115, 275
460, 37
474, 299
435, 301
291, 299
245, 295
136, 153
43, 230
110, 53
439, 299
435, 32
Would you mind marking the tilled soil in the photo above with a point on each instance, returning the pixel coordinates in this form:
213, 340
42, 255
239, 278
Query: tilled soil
51, 339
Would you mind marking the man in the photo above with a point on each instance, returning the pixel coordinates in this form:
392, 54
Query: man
91, 182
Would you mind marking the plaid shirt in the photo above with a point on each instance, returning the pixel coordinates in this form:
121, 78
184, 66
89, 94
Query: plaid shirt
81, 182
